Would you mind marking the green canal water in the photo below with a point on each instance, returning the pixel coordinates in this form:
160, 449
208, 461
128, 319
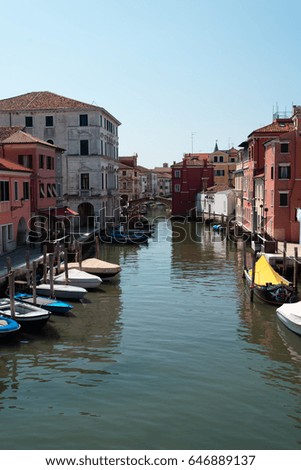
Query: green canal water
171, 355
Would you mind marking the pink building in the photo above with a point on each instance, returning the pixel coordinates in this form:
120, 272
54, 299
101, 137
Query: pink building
15, 208
40, 157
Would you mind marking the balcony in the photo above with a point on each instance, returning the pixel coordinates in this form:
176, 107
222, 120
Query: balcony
85, 193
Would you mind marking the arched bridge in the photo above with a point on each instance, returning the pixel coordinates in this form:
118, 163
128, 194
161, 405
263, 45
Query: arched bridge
137, 202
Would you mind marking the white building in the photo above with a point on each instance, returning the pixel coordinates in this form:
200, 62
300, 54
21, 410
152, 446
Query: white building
221, 203
89, 134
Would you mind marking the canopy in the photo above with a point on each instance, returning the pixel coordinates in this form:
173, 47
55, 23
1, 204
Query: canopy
265, 274
60, 211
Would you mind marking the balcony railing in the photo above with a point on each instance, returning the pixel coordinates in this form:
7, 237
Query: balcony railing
85, 193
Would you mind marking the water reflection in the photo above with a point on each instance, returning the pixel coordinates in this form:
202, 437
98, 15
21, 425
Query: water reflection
78, 350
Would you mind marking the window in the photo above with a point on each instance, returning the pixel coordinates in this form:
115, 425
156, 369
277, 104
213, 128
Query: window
177, 188
219, 172
25, 160
84, 181
54, 191
221, 159
28, 121
16, 190
49, 190
84, 147
50, 141
215, 159
284, 148
83, 119
283, 202
100, 121
284, 172
50, 163
124, 173
25, 190
4, 191
177, 173
10, 232
41, 161
272, 172
49, 121
123, 185
42, 191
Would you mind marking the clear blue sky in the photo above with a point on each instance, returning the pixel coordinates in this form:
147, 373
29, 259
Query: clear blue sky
166, 69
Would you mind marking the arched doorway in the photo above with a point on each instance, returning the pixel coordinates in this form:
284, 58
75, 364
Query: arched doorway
21, 232
86, 215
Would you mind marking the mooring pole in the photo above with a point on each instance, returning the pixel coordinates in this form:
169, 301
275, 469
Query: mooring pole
253, 276
296, 265
284, 258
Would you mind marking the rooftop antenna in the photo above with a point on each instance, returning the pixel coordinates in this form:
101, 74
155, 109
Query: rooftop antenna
192, 134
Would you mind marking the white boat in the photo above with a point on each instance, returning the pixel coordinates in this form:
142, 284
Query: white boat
96, 266
62, 291
79, 279
28, 316
290, 316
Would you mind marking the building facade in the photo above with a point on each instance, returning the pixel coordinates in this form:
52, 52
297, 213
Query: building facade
15, 210
89, 135
189, 177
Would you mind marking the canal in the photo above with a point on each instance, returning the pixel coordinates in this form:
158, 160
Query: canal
171, 355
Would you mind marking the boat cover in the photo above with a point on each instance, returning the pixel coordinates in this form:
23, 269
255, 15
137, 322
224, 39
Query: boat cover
265, 274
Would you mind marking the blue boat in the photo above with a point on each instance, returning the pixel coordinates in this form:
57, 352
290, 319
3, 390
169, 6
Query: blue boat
52, 305
124, 238
8, 326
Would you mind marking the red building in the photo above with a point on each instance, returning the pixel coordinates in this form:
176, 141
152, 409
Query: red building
254, 161
15, 209
282, 182
190, 177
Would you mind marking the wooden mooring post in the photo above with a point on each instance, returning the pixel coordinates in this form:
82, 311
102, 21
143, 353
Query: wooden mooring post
45, 264
51, 275
296, 266
97, 247
284, 258
66, 264
253, 276
27, 258
11, 284
34, 282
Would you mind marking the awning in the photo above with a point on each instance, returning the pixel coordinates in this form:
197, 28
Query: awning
60, 212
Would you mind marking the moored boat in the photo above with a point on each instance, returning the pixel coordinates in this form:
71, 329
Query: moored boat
62, 291
52, 305
8, 327
96, 266
124, 238
290, 316
78, 278
29, 317
269, 285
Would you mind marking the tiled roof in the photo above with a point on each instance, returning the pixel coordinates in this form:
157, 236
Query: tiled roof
21, 137
45, 100
276, 126
7, 165
6, 132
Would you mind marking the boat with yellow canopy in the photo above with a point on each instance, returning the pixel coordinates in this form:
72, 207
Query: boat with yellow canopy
269, 285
